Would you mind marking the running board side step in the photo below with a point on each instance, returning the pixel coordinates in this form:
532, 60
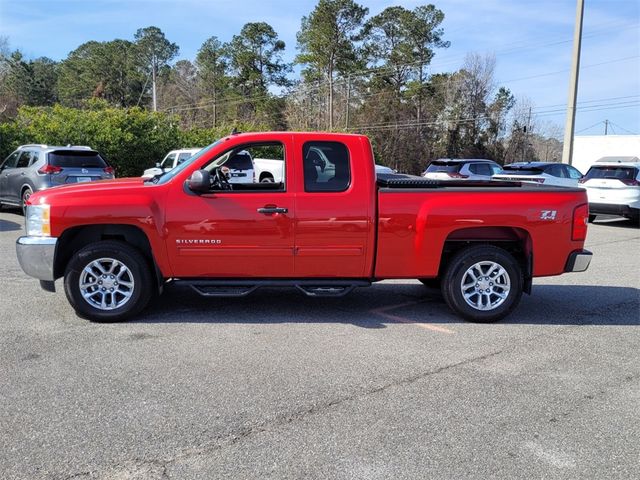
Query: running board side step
242, 288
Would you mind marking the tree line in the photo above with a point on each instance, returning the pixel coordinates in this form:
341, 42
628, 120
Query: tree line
353, 72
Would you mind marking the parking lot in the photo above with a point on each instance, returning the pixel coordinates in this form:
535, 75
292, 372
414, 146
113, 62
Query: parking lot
383, 384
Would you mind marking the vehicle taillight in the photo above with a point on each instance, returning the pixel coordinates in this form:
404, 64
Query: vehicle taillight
109, 170
580, 221
457, 175
49, 170
632, 182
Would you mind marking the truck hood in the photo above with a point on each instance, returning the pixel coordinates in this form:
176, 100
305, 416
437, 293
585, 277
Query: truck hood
101, 188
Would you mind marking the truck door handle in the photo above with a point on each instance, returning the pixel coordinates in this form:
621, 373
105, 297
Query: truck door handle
270, 210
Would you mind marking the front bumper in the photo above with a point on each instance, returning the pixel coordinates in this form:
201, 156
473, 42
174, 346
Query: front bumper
578, 261
36, 256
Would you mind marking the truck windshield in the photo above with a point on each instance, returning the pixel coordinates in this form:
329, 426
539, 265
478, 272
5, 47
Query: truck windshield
164, 178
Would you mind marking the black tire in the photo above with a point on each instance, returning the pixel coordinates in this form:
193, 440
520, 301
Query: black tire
592, 218
467, 261
136, 268
431, 282
26, 193
267, 179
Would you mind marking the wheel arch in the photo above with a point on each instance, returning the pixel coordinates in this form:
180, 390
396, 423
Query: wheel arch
517, 241
265, 174
76, 238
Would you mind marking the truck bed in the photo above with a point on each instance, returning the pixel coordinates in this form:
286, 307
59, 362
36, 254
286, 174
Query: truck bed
413, 182
418, 216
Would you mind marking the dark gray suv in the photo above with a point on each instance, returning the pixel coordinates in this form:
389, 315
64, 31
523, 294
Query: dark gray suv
36, 167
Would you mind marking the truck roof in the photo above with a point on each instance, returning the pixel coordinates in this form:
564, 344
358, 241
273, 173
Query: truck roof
297, 134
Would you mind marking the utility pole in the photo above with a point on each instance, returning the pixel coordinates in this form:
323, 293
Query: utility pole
526, 135
348, 99
153, 83
606, 126
567, 147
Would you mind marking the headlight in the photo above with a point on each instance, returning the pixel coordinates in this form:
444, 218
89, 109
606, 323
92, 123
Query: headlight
37, 220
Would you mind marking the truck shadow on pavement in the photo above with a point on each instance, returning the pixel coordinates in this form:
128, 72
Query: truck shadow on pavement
394, 303
7, 226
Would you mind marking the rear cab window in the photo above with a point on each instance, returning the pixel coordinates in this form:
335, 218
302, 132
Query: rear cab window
326, 167
76, 159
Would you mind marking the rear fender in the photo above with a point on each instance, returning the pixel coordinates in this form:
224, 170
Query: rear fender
516, 241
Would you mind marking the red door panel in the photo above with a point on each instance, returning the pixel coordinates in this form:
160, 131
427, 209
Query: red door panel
333, 230
224, 235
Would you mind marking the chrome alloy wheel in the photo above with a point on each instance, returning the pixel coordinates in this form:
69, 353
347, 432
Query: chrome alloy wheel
485, 285
106, 284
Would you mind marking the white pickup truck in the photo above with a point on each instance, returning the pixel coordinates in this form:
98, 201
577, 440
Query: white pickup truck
268, 170
170, 161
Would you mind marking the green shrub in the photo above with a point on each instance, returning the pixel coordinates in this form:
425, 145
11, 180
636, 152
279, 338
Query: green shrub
130, 139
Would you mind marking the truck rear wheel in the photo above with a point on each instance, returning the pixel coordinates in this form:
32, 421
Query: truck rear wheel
108, 281
482, 283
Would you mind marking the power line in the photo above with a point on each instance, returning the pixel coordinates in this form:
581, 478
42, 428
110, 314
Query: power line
247, 99
394, 125
588, 128
622, 128
566, 69
380, 71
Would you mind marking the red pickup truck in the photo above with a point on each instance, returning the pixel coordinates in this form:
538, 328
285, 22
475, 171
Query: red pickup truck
328, 227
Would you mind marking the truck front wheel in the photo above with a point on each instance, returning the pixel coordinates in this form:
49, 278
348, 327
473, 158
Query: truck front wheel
108, 281
482, 283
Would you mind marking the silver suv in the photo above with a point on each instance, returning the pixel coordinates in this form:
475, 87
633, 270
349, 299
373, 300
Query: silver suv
35, 167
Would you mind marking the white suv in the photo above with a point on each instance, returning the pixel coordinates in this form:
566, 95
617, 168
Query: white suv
170, 161
613, 187
462, 169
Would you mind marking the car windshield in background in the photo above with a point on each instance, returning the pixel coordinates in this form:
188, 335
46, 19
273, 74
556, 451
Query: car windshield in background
184, 156
443, 167
172, 173
617, 173
70, 159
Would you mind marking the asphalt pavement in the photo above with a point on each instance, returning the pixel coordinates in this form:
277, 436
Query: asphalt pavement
385, 383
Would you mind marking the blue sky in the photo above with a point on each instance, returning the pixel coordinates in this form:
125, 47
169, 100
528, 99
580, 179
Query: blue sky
531, 39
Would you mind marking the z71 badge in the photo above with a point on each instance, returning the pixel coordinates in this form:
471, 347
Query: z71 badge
548, 214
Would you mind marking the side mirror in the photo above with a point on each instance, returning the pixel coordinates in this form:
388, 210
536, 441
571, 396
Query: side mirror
199, 181
157, 164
